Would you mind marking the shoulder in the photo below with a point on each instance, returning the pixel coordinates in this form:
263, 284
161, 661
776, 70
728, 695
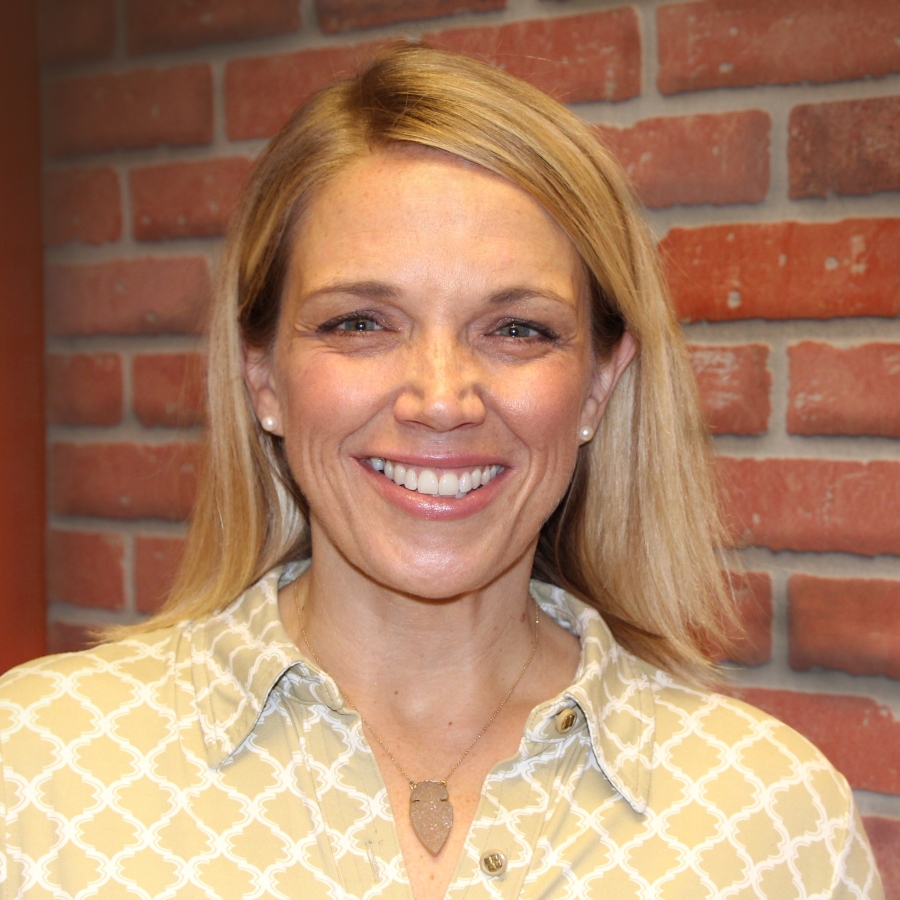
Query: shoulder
102, 678
718, 717
709, 732
770, 788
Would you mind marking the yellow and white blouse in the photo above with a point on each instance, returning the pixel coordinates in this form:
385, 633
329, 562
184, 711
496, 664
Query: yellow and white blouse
212, 760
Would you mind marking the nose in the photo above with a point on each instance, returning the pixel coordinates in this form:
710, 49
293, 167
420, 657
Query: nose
442, 385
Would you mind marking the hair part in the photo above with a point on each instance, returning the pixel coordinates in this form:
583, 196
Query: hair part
638, 534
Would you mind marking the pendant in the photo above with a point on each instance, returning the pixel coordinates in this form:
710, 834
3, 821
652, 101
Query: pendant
431, 814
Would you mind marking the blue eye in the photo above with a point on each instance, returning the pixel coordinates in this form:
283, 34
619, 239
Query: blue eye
518, 330
358, 323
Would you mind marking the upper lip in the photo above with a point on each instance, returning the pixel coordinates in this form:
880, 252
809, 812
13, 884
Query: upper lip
454, 461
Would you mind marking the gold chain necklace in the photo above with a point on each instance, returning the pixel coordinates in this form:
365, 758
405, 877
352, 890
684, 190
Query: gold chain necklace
430, 809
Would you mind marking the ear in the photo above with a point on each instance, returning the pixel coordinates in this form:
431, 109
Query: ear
260, 380
606, 376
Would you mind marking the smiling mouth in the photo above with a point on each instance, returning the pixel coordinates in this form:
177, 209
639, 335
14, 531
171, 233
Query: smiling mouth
436, 482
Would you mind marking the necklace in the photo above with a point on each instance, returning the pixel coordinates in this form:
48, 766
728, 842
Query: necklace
430, 809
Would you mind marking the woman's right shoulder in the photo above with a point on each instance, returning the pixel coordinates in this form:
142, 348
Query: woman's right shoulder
104, 671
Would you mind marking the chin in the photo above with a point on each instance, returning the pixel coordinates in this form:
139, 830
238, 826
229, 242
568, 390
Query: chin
436, 574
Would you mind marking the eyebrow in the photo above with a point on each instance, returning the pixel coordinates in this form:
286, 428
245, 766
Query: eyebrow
371, 290
520, 294
379, 290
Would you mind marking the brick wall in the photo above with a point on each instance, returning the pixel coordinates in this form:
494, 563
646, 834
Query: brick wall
769, 166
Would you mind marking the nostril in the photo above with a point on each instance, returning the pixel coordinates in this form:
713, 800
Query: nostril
442, 385
442, 410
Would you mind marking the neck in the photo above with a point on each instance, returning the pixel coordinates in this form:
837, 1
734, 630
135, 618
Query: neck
378, 642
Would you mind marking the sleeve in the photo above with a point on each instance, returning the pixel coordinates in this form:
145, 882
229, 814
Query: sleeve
856, 874
4, 874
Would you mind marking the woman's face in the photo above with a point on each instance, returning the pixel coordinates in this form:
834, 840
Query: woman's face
434, 325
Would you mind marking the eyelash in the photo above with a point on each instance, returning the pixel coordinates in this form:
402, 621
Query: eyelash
541, 332
360, 315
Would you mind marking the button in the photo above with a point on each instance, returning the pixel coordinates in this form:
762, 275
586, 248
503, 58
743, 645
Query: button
493, 863
565, 721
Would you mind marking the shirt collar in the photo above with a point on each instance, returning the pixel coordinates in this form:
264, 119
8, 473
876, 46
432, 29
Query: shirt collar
237, 656
613, 692
241, 653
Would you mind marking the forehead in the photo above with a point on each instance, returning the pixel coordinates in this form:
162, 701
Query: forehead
415, 205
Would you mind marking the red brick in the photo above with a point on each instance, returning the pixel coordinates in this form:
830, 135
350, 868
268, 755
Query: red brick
140, 108
123, 481
845, 623
81, 205
156, 562
814, 504
845, 147
751, 644
734, 387
186, 199
261, 93
155, 25
586, 57
84, 388
712, 158
785, 270
844, 390
342, 15
85, 568
68, 637
128, 296
720, 43
884, 836
76, 30
168, 389
592, 56
859, 736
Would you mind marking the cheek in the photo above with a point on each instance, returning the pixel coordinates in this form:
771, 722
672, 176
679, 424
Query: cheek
323, 391
546, 410
326, 402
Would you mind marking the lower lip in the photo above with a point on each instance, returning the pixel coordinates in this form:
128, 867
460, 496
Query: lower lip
428, 506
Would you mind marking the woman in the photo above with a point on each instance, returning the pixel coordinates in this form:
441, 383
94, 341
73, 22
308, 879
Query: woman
441, 362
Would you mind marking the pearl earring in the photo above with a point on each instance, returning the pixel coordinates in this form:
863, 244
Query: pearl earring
269, 423
586, 433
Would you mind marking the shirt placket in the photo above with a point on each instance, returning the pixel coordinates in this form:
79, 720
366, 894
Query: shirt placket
352, 805
503, 837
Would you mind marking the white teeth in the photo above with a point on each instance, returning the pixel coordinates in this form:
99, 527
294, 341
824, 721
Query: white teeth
428, 483
449, 486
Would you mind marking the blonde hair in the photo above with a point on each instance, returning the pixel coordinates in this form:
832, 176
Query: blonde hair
637, 535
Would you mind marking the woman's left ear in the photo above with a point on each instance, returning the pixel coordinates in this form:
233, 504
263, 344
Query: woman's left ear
606, 376
260, 383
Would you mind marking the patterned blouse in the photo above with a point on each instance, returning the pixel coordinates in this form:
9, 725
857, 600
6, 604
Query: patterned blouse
213, 760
